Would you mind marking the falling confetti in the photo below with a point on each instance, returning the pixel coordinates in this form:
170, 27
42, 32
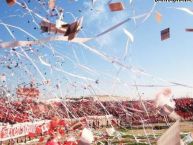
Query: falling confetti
81, 72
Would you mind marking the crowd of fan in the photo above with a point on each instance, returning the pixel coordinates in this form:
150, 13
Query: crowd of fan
130, 112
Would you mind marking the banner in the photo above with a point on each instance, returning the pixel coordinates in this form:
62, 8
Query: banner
21, 129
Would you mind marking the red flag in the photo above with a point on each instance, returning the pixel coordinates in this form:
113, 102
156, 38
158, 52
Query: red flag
38, 130
61, 131
50, 132
31, 135
54, 123
62, 123
52, 142
69, 143
41, 139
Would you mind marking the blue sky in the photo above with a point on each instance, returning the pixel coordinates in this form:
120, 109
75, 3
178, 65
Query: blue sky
170, 60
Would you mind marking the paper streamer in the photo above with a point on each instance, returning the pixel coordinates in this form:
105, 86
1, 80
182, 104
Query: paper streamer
124, 21
44, 62
130, 36
187, 10
15, 44
171, 136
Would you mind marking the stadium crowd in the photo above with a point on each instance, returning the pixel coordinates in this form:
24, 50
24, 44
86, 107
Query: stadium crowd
128, 112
